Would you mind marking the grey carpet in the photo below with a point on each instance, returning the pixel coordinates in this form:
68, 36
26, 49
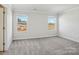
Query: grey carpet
43, 46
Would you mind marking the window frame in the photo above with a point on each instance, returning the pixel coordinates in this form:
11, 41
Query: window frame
17, 23
55, 23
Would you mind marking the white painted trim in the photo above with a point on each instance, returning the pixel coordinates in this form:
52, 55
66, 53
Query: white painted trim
36, 37
68, 37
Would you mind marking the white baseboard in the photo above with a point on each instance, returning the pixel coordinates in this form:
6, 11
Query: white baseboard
35, 37
68, 37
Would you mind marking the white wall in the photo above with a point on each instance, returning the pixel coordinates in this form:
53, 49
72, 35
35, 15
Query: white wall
37, 26
8, 26
69, 24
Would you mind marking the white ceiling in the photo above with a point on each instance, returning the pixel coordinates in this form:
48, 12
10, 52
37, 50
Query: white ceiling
48, 8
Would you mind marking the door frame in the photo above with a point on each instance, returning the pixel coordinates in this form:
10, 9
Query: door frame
4, 23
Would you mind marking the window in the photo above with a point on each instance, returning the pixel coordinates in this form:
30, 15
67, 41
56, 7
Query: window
22, 23
51, 23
